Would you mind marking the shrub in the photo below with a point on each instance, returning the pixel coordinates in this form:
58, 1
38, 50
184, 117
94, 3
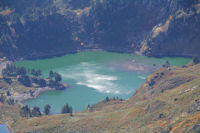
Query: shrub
2, 98
21, 71
25, 80
10, 101
7, 80
67, 109
51, 74
25, 111
8, 93
42, 83
107, 99
36, 112
47, 108
36, 72
58, 77
196, 59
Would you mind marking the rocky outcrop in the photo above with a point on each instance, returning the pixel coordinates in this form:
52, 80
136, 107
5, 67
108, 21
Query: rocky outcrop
177, 36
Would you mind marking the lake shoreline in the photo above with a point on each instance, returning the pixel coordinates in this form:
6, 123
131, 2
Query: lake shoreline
59, 54
95, 75
20, 98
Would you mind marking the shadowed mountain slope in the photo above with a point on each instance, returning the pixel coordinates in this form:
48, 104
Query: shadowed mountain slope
34, 29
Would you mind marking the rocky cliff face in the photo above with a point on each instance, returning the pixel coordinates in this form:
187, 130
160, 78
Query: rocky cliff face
178, 35
31, 29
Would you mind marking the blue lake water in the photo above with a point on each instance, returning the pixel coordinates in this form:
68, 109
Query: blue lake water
94, 75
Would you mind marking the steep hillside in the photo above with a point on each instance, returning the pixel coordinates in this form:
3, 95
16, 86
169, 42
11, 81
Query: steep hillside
34, 29
169, 101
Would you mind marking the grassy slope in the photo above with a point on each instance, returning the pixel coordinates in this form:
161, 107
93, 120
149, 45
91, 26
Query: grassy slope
11, 112
164, 107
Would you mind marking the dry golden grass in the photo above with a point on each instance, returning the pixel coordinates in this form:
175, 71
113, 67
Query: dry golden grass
149, 110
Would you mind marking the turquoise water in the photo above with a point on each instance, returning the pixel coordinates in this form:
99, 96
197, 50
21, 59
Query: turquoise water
4, 129
94, 75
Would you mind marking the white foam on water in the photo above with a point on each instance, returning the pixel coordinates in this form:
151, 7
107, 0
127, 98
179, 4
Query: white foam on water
87, 74
141, 77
